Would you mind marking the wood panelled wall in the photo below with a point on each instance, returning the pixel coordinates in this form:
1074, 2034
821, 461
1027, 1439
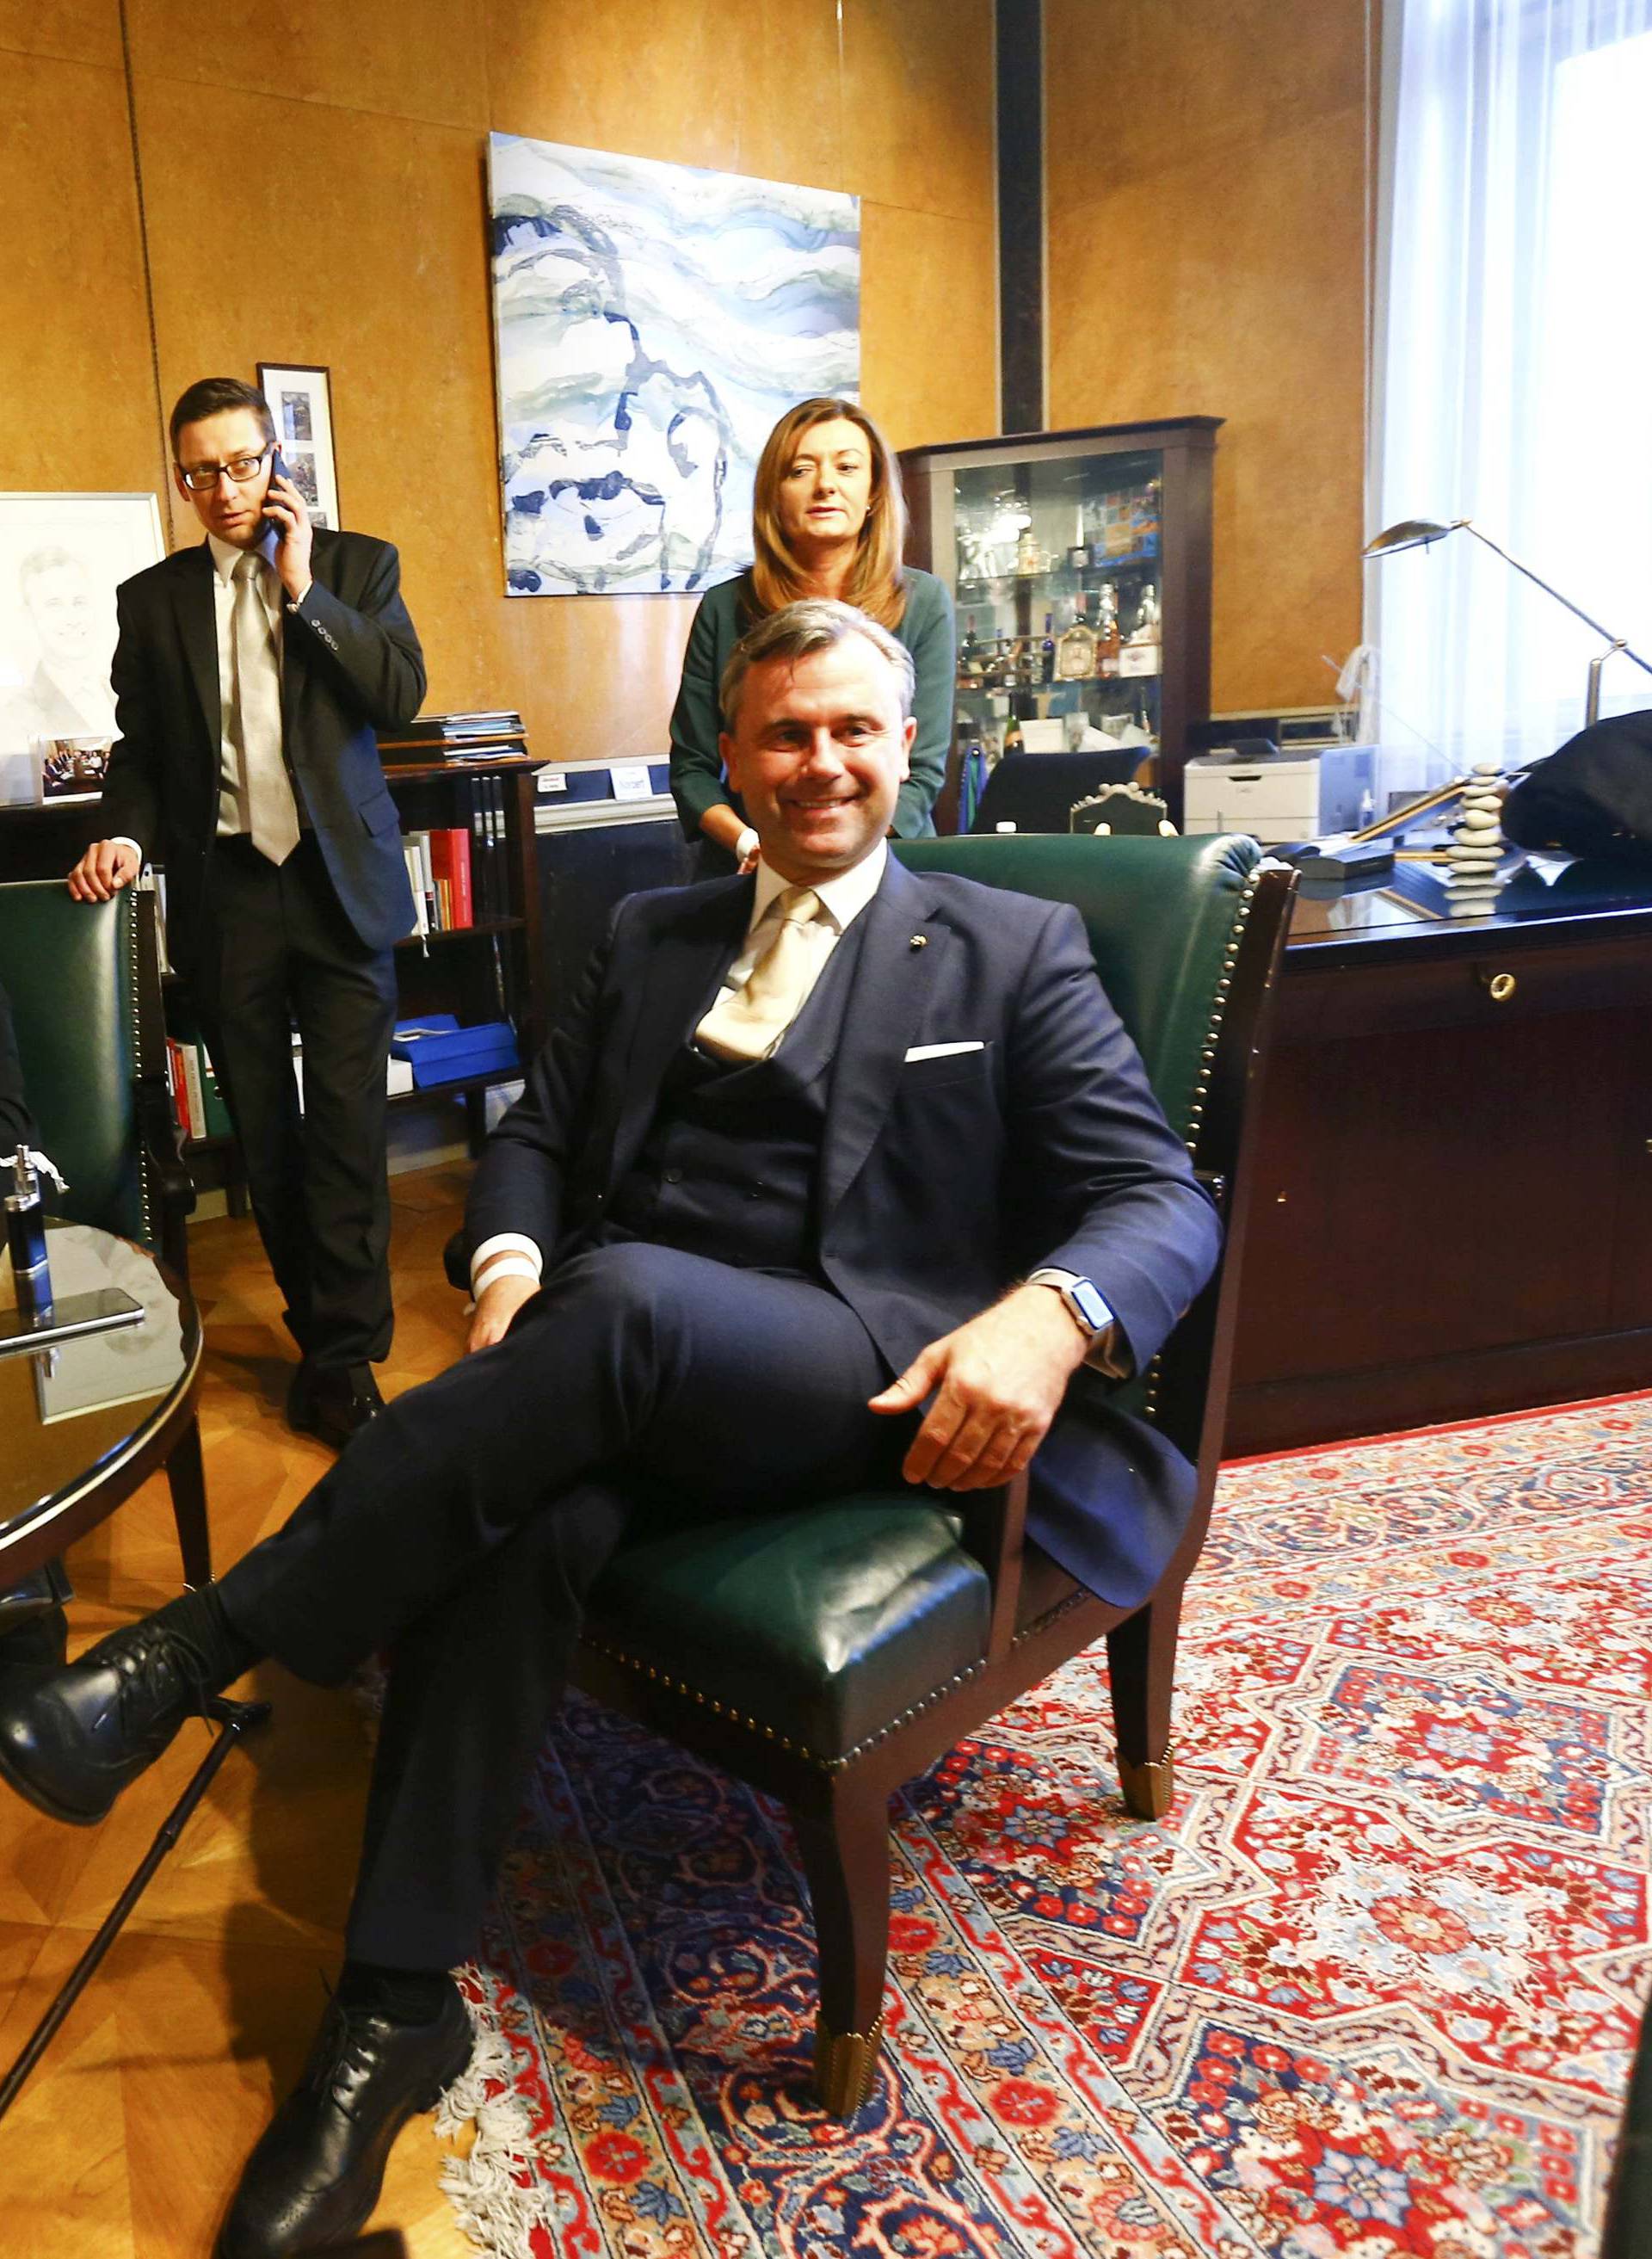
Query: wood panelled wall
313, 190
1205, 181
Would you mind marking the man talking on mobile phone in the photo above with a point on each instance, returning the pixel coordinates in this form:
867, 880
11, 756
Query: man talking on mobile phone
249, 674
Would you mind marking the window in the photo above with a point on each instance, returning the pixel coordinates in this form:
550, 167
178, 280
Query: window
1514, 367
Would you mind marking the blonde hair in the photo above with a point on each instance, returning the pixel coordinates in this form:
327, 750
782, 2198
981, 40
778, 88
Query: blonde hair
877, 580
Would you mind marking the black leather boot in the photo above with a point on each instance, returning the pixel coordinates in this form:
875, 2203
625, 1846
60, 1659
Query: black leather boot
314, 2176
71, 1739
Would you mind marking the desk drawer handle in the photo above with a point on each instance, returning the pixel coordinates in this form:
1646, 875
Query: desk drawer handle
1499, 986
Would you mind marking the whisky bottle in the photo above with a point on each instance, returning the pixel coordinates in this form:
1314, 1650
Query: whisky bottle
1107, 632
1075, 649
1047, 651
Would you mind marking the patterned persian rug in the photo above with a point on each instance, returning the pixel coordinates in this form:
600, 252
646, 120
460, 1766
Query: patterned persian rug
1371, 1990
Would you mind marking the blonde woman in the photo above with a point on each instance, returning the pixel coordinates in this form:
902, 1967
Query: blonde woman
828, 519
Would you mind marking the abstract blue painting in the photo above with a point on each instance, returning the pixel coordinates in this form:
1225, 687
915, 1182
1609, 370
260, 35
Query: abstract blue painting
652, 322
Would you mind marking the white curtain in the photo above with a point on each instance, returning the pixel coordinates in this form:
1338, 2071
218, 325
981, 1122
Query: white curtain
1513, 368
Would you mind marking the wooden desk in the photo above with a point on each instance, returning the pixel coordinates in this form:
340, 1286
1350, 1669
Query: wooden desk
1453, 1208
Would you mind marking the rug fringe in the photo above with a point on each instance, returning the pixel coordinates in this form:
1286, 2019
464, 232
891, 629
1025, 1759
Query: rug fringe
494, 2189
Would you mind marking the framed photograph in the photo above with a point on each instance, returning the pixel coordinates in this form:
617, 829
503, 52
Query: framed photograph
301, 401
62, 556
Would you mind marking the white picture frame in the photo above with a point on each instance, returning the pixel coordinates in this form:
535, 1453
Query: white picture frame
62, 556
300, 396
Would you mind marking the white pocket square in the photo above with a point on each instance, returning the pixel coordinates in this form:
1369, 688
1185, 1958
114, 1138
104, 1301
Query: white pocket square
940, 1050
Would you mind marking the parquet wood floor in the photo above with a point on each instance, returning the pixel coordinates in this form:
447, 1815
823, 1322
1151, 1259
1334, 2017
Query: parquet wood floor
127, 2141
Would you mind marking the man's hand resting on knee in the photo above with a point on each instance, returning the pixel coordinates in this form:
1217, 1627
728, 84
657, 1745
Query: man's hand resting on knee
998, 1382
496, 1307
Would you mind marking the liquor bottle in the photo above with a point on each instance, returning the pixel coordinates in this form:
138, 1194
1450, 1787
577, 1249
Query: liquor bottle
1047, 651
1075, 649
1107, 632
969, 651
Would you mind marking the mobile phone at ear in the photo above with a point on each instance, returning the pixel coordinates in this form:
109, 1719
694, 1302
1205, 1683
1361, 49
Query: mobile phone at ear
277, 470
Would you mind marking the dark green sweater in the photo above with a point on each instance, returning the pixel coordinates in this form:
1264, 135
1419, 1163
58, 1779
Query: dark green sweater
696, 767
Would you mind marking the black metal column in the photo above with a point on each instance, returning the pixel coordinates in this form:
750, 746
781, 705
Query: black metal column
1021, 214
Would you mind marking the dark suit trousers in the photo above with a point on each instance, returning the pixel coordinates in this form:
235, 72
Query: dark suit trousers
275, 947
464, 1527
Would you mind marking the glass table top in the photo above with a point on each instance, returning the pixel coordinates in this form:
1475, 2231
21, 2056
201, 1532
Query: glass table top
1414, 897
69, 1416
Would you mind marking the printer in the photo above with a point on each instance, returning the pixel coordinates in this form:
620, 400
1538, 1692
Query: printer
1279, 793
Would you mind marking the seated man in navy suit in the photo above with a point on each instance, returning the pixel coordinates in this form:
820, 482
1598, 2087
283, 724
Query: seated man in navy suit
829, 1175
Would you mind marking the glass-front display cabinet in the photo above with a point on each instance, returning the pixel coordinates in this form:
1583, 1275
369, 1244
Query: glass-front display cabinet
1079, 563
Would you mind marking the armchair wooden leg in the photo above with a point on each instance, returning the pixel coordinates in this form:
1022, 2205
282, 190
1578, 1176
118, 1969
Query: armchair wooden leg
187, 1480
846, 1858
1142, 1672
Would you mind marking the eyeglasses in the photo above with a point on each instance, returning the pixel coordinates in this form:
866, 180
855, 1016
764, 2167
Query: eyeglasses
241, 470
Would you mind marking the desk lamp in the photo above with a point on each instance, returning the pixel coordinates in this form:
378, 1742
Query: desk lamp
1419, 532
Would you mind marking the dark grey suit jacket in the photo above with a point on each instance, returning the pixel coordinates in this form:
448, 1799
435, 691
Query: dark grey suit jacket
942, 1180
350, 664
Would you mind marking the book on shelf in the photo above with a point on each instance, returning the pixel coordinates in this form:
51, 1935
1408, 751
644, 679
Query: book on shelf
450, 861
438, 868
455, 736
198, 1102
178, 1085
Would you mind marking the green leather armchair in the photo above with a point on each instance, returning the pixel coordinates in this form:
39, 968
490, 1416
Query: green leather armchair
827, 1654
84, 985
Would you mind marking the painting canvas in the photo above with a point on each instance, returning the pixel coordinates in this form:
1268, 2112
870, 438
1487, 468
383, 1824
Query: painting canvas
652, 323
62, 556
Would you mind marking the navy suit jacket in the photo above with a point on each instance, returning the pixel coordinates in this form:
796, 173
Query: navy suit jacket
350, 664
942, 1180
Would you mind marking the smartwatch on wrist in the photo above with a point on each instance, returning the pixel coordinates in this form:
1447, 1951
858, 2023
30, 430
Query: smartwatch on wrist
1086, 1305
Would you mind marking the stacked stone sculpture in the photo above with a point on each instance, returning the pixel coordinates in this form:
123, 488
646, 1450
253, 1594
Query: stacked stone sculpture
1476, 845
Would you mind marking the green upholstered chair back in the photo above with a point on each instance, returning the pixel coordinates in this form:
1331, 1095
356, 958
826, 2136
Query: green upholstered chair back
1162, 916
70, 970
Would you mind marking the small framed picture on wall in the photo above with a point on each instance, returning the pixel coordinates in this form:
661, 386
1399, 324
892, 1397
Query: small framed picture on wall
301, 401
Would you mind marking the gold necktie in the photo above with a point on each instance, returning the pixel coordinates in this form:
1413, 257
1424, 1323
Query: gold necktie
746, 1023
272, 814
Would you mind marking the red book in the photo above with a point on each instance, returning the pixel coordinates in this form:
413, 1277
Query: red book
180, 1083
463, 913
450, 864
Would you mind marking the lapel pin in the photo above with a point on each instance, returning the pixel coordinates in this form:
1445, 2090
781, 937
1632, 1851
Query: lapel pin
919, 940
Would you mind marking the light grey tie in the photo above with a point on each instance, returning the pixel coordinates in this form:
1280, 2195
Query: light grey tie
746, 1023
272, 814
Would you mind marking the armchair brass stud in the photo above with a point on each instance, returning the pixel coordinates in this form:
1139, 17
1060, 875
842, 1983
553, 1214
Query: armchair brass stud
919, 940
